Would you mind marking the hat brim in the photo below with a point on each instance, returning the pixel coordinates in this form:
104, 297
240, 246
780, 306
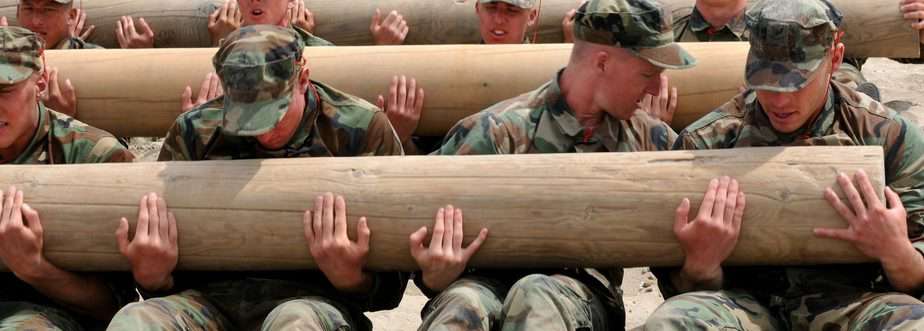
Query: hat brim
253, 119
12, 75
779, 76
670, 56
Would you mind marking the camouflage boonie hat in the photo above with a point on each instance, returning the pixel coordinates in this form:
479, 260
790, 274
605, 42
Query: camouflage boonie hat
789, 41
20, 54
258, 66
525, 4
644, 27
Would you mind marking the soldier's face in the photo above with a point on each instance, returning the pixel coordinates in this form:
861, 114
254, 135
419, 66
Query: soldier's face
624, 81
46, 18
788, 112
502, 23
271, 12
18, 117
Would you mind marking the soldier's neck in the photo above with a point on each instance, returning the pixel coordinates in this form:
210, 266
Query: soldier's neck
720, 16
580, 99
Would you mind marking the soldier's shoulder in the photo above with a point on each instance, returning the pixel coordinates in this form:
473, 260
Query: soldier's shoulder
727, 117
83, 143
862, 105
681, 16
345, 110
201, 122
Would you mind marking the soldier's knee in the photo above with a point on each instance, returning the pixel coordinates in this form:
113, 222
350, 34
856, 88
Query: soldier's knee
467, 293
533, 286
307, 314
137, 314
25, 316
466, 302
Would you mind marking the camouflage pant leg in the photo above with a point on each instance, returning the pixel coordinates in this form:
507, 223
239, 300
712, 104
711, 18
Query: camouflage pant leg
308, 314
184, 311
866, 311
469, 304
541, 302
720, 310
16, 316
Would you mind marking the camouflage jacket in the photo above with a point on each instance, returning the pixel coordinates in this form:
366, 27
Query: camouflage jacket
312, 40
690, 26
542, 122
334, 124
61, 139
76, 43
849, 119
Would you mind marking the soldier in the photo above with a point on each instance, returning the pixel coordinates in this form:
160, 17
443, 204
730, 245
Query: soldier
589, 106
794, 101
273, 110
723, 20
36, 294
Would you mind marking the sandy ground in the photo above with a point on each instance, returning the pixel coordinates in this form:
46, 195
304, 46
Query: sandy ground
896, 81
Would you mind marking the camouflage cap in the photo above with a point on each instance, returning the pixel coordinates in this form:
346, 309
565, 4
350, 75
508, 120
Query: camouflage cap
644, 27
525, 4
258, 66
20, 54
789, 41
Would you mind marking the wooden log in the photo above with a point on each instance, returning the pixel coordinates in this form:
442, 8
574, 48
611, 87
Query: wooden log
137, 92
875, 27
567, 210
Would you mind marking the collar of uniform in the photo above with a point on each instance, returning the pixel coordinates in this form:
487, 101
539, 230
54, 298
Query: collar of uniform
737, 26
309, 117
38, 137
70, 43
820, 126
558, 108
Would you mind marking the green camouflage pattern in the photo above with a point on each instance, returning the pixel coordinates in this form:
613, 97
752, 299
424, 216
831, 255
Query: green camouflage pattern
789, 41
61, 139
525, 4
311, 40
20, 54
258, 66
690, 26
541, 122
251, 300
334, 124
641, 26
848, 119
535, 302
27, 316
735, 310
76, 43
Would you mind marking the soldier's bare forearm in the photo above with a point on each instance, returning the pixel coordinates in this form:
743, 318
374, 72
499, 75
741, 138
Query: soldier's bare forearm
905, 269
85, 294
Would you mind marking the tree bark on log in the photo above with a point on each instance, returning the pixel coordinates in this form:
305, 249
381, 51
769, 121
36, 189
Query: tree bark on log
566, 210
875, 28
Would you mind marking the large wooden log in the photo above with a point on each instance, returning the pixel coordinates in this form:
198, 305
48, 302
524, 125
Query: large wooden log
562, 210
137, 92
875, 27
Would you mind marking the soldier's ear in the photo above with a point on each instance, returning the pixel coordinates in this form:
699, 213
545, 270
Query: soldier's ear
533, 17
41, 82
304, 79
72, 15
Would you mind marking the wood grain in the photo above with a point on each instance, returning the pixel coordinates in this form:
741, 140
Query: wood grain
570, 210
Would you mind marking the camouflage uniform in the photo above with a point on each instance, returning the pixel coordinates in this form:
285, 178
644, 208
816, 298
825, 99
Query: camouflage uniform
259, 66
542, 122
690, 26
58, 139
837, 297
76, 43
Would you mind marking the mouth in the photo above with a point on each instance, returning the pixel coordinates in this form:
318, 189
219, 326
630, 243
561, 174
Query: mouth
782, 116
256, 12
3, 125
498, 33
